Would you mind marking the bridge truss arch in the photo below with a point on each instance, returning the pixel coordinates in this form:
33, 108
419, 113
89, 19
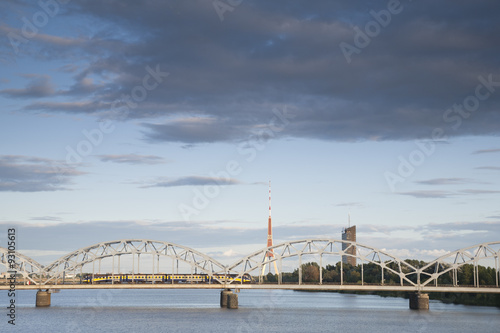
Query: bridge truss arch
27, 267
324, 247
72, 262
450, 264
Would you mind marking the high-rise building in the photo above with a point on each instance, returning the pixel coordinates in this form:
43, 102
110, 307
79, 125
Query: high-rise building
349, 234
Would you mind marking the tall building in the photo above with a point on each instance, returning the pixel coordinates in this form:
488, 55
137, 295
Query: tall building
349, 234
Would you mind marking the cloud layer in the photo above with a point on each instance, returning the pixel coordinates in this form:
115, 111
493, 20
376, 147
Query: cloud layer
225, 77
410, 241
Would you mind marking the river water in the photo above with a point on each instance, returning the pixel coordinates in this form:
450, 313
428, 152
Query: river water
259, 311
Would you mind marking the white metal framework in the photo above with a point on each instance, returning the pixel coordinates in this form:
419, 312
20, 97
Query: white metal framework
322, 247
27, 267
75, 261
409, 275
451, 262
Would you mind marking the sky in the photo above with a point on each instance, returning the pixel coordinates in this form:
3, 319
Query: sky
166, 120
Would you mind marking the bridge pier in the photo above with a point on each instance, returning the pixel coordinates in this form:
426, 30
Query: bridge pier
223, 297
419, 301
42, 298
228, 299
232, 301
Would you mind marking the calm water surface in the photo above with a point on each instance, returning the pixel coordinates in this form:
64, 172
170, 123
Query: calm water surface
260, 311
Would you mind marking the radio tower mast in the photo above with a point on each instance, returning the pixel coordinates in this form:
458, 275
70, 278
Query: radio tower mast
269, 254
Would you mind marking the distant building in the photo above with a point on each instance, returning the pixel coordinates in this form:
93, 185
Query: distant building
349, 234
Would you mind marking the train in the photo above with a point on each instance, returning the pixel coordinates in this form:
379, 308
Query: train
165, 278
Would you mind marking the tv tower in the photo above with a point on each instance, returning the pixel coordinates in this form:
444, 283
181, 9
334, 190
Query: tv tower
269, 254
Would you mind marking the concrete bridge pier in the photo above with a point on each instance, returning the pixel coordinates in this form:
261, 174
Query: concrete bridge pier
42, 298
223, 297
419, 301
232, 301
228, 299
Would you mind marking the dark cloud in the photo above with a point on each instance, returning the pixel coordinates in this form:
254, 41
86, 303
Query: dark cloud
233, 73
487, 151
194, 181
70, 107
495, 168
46, 218
132, 159
446, 181
39, 86
83, 86
473, 191
260, 183
429, 194
447, 194
193, 130
349, 204
33, 174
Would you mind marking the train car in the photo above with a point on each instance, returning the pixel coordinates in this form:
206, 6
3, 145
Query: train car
164, 278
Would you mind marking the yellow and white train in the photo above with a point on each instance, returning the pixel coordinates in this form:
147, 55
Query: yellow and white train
165, 278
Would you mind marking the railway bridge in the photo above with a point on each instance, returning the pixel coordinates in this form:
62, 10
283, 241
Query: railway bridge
150, 264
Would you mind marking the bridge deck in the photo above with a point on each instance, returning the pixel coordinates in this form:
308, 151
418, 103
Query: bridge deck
304, 287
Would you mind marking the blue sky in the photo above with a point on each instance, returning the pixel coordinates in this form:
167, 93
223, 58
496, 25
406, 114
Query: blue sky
166, 120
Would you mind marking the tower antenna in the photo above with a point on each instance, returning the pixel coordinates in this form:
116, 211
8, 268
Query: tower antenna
269, 200
269, 224
270, 255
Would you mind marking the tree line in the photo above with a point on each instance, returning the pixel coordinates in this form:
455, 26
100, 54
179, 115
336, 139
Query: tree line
372, 274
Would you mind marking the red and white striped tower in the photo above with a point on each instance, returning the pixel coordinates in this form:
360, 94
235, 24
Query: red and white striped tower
269, 226
270, 253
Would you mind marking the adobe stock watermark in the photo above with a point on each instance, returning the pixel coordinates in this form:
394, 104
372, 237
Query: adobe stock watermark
10, 261
31, 26
95, 137
454, 117
248, 149
89, 308
257, 319
373, 28
221, 7
419, 321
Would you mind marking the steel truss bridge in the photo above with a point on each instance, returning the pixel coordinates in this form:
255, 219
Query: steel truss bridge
61, 274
